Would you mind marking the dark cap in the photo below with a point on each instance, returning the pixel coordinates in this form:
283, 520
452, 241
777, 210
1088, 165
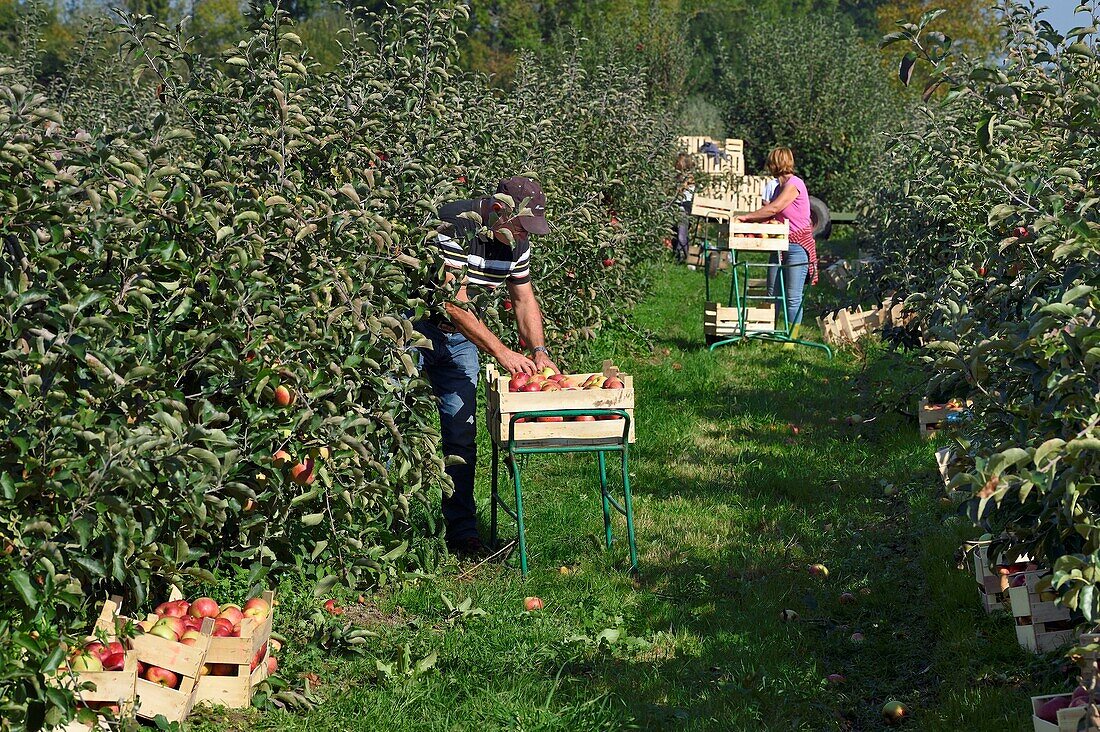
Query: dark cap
520, 188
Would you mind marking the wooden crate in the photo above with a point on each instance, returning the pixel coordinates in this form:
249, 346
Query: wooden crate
235, 692
755, 237
185, 661
695, 258
714, 209
722, 321
112, 687
1045, 637
501, 404
1067, 718
992, 587
1026, 602
932, 417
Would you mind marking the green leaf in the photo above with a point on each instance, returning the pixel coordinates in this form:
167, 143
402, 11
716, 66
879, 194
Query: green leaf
21, 581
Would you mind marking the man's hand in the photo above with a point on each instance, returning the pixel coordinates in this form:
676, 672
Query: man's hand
542, 361
516, 362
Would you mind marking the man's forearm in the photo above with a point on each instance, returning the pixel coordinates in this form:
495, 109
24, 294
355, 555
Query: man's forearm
472, 327
529, 322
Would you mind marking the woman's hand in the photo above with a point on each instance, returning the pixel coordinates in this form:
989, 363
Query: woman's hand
739, 219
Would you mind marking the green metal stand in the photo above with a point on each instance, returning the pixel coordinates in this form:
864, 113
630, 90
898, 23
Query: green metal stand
513, 451
741, 297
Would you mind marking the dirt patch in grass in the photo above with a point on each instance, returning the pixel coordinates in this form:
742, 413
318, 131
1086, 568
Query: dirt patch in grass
369, 615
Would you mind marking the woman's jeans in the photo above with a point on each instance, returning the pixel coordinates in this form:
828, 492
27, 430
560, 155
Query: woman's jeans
452, 369
795, 270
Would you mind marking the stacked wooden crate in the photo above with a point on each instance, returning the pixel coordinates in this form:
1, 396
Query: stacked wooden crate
849, 325
1041, 624
720, 321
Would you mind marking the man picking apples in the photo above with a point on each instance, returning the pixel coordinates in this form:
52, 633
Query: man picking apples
486, 244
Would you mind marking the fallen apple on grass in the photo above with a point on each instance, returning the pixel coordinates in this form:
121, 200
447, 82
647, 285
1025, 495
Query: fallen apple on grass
819, 570
532, 603
332, 608
835, 678
893, 712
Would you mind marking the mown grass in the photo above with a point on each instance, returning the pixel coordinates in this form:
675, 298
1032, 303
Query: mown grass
731, 507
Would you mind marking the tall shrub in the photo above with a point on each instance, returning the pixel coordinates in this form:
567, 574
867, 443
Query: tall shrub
993, 232
814, 84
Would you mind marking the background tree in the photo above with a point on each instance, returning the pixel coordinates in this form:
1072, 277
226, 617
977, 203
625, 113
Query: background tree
816, 86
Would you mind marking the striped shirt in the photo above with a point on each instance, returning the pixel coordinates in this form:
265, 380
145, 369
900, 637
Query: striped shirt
487, 262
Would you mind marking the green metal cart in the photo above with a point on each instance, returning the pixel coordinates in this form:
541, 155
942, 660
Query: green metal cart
516, 452
744, 291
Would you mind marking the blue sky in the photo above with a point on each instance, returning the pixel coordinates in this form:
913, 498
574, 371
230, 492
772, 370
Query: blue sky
1060, 14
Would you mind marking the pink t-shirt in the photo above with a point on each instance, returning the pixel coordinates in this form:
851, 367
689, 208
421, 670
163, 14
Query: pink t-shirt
798, 212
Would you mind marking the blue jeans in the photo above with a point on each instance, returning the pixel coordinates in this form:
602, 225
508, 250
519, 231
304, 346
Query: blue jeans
795, 271
452, 369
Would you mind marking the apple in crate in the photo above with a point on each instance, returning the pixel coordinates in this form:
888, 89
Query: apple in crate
232, 613
1048, 711
114, 662
257, 608
204, 607
162, 677
259, 657
86, 662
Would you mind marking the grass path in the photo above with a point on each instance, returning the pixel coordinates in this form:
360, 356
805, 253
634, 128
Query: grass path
731, 507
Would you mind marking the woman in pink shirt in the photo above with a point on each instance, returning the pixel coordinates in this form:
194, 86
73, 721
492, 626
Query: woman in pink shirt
792, 204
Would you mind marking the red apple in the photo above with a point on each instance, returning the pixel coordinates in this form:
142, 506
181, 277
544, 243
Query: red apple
1048, 712
819, 570
613, 382
257, 608
281, 458
176, 625
550, 386
847, 598
302, 473
232, 613
551, 419
114, 662
97, 649
608, 262
204, 607
531, 387
835, 678
191, 635
283, 396
332, 608
272, 665
162, 676
224, 624
115, 647
222, 669
586, 418
532, 603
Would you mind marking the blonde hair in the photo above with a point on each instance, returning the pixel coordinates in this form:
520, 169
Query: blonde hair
684, 162
781, 161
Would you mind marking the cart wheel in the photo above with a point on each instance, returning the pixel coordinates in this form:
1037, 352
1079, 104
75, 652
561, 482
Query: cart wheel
822, 221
